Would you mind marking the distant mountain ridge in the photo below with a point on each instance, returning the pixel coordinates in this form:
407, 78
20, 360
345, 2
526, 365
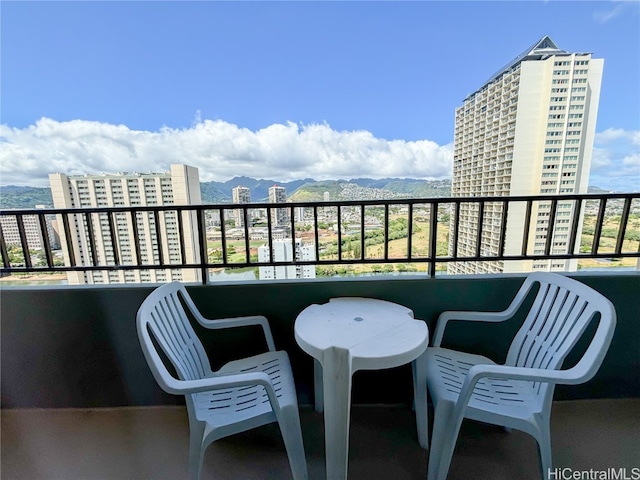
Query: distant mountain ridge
306, 190
309, 189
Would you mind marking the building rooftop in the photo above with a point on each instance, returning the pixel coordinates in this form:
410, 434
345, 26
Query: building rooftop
543, 48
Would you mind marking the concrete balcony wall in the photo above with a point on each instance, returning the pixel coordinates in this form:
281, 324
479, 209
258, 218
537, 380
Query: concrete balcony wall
77, 346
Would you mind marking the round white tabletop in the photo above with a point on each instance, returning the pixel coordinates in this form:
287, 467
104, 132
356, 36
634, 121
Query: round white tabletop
377, 333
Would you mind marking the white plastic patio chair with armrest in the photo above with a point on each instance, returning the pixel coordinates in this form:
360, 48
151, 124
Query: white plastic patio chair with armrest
241, 395
519, 393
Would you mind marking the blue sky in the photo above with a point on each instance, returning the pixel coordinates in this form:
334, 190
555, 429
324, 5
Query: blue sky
286, 90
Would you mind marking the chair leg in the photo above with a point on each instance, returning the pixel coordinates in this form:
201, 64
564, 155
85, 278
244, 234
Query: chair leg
420, 400
544, 448
318, 390
443, 440
196, 451
292, 436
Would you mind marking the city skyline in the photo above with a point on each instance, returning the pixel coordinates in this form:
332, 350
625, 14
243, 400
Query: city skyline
283, 99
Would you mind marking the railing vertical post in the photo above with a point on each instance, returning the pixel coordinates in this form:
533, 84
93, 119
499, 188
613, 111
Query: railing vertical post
223, 236
315, 231
503, 228
44, 235
599, 222
624, 218
136, 236
574, 226
386, 231
550, 227
67, 236
92, 240
113, 236
247, 243
339, 233
202, 235
456, 228
433, 238
362, 230
181, 235
410, 231
480, 226
3, 250
527, 226
292, 222
26, 254
156, 221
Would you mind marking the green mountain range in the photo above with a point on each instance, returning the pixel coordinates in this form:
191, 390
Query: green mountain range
306, 190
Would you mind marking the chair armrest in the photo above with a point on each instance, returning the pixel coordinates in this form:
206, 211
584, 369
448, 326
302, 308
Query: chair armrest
449, 315
478, 372
183, 387
501, 316
240, 322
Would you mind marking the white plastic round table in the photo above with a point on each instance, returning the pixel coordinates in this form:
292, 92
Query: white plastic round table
349, 334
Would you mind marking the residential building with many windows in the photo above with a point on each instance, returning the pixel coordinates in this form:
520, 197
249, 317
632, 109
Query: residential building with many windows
279, 216
240, 195
138, 240
529, 130
283, 251
33, 231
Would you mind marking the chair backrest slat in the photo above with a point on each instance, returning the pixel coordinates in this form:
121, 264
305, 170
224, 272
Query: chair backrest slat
163, 316
561, 312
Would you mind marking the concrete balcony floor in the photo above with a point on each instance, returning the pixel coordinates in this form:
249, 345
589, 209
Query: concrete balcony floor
152, 443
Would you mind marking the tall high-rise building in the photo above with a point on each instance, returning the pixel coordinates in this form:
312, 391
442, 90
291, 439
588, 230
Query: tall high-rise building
180, 186
529, 130
240, 194
33, 231
279, 216
283, 251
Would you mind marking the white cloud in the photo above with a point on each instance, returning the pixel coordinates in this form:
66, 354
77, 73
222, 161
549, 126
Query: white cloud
615, 9
219, 149
278, 152
615, 164
615, 134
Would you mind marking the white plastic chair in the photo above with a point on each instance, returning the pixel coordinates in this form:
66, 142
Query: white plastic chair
242, 395
519, 393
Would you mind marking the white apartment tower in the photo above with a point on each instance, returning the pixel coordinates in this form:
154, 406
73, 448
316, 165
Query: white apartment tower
528, 131
179, 186
279, 216
283, 251
34, 233
240, 194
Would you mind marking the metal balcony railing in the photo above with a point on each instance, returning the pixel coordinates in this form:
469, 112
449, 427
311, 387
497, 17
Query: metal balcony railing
421, 231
